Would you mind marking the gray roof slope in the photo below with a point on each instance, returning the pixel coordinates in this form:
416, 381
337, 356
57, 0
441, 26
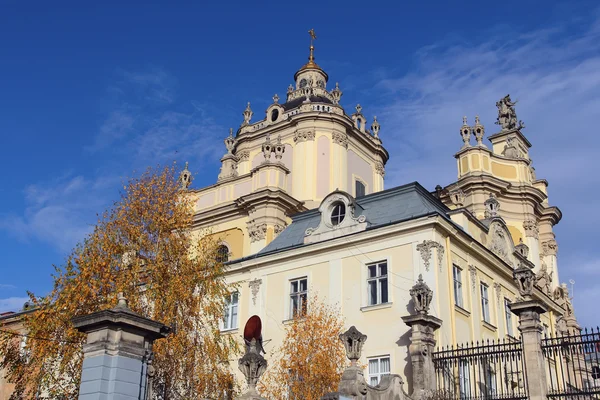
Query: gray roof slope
390, 206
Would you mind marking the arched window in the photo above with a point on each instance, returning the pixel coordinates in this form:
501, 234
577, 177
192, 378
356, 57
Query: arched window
338, 214
359, 189
222, 253
274, 115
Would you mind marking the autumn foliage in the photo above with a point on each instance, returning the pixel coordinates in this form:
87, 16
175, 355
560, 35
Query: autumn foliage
311, 359
143, 247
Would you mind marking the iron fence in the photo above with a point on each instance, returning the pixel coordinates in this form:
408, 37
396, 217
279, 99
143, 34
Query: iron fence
573, 365
487, 370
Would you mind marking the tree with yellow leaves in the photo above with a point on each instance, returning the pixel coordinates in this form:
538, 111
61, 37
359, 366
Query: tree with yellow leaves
143, 247
311, 359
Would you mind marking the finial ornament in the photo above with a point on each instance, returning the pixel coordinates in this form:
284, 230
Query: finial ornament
185, 177
465, 133
375, 127
230, 142
267, 148
478, 131
507, 117
122, 300
247, 115
353, 341
421, 296
278, 149
311, 56
358, 108
336, 93
276, 99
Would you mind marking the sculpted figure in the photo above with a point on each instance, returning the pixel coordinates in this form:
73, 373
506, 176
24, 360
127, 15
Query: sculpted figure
507, 117
543, 280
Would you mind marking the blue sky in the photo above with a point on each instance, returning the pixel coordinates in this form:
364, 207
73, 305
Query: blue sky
91, 93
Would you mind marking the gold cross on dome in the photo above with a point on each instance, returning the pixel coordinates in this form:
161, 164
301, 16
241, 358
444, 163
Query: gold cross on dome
312, 34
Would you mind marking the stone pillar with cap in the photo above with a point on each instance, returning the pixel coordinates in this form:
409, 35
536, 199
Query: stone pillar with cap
117, 353
252, 365
529, 310
422, 340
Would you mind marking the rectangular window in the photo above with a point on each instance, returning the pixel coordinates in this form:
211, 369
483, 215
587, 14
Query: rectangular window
298, 296
359, 189
464, 379
490, 381
377, 283
508, 317
230, 320
485, 303
378, 368
458, 297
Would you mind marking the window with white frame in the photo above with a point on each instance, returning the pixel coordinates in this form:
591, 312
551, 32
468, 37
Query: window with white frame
298, 296
377, 283
485, 302
464, 379
378, 368
230, 319
457, 276
508, 317
490, 381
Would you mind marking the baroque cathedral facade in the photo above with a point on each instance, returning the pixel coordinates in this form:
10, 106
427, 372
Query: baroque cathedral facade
299, 209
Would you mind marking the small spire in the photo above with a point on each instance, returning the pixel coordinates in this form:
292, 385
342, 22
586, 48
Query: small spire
313, 36
247, 115
465, 133
375, 127
185, 177
358, 108
122, 300
230, 142
336, 93
276, 99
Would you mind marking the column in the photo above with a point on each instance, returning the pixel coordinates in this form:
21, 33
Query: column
422, 340
117, 352
529, 310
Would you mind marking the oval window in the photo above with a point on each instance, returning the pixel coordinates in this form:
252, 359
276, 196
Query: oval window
302, 83
274, 115
338, 214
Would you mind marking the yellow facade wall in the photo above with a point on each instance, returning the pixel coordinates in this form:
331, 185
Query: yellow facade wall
504, 171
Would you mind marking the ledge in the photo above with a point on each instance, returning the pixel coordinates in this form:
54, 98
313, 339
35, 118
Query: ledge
462, 311
376, 307
229, 331
489, 326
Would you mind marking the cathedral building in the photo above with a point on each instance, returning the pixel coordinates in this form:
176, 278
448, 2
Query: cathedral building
299, 208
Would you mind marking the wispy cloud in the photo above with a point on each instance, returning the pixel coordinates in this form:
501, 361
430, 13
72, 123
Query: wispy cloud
555, 75
12, 303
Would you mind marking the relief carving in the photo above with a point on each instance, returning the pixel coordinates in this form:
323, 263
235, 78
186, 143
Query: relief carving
303, 135
256, 231
340, 138
380, 168
550, 247
473, 272
425, 250
531, 228
254, 288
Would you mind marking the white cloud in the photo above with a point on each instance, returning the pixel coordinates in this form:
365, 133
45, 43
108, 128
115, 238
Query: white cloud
12, 303
555, 75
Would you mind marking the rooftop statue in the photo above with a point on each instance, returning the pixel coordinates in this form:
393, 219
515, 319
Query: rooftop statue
507, 117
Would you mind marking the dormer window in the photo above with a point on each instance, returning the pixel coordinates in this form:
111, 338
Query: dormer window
338, 214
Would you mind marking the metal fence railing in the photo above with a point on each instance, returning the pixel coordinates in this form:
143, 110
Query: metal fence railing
490, 370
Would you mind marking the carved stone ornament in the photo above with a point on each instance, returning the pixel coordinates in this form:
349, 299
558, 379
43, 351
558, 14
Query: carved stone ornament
510, 149
252, 365
524, 277
425, 250
254, 286
550, 247
457, 197
380, 168
278, 149
267, 148
185, 177
340, 138
522, 248
278, 228
465, 133
507, 117
247, 115
243, 155
561, 326
353, 341
230, 142
421, 296
302, 135
492, 206
478, 131
531, 228
561, 297
543, 279
498, 289
375, 127
499, 244
257, 231
473, 272
336, 93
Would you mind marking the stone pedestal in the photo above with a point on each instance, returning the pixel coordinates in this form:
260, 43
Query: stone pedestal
422, 345
531, 329
117, 352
